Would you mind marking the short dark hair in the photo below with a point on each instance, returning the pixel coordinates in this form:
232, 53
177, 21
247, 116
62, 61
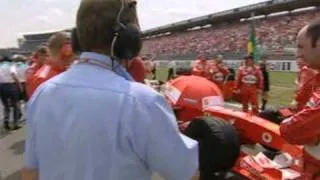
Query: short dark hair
96, 20
313, 31
42, 50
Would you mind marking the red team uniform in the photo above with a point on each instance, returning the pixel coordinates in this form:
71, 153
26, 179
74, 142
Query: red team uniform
308, 81
249, 81
303, 129
201, 68
218, 74
137, 69
46, 72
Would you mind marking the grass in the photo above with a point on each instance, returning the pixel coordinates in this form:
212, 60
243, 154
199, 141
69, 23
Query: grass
281, 90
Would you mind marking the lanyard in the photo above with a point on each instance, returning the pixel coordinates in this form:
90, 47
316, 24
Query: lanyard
117, 68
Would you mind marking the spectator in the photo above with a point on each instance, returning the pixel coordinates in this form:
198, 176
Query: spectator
273, 33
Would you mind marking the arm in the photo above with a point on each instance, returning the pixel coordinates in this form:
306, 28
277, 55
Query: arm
160, 144
302, 128
260, 79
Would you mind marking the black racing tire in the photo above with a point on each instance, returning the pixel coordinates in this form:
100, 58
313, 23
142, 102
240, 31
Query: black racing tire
219, 145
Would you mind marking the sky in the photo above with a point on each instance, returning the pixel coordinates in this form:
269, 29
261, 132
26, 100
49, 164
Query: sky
21, 16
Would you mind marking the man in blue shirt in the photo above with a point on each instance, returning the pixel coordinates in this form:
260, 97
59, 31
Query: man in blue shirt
93, 123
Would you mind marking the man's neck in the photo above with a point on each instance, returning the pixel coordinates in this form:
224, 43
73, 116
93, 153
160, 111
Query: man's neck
101, 51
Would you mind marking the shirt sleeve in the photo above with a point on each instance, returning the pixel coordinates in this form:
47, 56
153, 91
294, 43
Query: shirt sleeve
163, 148
13, 70
302, 128
30, 157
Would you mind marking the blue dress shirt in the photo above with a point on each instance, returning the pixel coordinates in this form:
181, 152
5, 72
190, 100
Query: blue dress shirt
91, 123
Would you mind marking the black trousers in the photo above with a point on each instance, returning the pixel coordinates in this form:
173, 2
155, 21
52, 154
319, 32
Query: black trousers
170, 74
10, 96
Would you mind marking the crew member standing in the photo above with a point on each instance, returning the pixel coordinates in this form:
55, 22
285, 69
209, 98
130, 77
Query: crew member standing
9, 91
266, 85
249, 83
303, 128
172, 67
200, 67
219, 72
61, 55
40, 57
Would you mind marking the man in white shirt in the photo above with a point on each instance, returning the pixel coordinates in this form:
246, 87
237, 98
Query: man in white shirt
9, 91
171, 69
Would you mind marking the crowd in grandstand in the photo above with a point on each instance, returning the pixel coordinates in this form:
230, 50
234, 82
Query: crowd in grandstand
273, 33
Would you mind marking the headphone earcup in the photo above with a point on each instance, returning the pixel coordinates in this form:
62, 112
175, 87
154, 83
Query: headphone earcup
128, 43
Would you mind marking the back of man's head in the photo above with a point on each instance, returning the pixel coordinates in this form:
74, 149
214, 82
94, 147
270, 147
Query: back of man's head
313, 31
57, 41
96, 21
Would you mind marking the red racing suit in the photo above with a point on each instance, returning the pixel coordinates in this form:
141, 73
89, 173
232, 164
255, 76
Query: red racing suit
32, 69
46, 72
201, 68
304, 129
218, 74
308, 81
249, 81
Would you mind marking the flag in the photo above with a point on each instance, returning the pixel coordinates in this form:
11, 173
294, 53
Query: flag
252, 44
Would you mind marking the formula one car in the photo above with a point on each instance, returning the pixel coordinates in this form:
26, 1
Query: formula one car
230, 141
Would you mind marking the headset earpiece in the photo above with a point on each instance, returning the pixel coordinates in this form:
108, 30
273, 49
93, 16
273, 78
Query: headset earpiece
75, 41
128, 43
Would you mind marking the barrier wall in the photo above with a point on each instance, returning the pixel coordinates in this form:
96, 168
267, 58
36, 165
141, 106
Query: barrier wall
273, 65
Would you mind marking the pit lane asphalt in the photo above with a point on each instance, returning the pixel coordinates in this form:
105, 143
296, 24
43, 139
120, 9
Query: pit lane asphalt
12, 150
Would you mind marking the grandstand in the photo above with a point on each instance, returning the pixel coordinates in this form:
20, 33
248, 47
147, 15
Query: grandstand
227, 32
30, 41
224, 32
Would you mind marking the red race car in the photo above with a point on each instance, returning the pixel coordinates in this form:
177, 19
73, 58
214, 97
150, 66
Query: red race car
231, 143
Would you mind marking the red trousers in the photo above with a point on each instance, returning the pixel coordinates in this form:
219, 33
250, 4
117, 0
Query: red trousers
249, 95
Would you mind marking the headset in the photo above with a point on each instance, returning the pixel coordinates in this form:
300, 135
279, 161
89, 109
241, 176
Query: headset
126, 43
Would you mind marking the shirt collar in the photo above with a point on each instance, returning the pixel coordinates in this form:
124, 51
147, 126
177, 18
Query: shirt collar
117, 68
96, 56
